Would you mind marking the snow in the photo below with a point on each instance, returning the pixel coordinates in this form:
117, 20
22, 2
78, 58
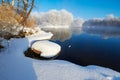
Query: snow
41, 35
48, 49
63, 70
15, 66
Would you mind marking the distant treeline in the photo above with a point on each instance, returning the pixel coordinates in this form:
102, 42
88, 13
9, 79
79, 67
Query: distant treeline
109, 21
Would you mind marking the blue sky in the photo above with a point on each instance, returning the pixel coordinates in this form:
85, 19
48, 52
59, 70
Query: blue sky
81, 8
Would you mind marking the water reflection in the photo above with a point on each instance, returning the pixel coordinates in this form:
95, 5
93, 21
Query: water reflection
61, 34
84, 49
77, 30
91, 50
105, 32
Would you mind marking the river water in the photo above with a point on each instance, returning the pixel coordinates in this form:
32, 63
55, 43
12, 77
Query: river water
89, 46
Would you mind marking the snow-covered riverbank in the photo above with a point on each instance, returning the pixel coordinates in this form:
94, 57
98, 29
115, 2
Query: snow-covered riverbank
15, 66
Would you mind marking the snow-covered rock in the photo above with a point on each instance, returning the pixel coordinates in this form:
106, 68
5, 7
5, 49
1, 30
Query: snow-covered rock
48, 49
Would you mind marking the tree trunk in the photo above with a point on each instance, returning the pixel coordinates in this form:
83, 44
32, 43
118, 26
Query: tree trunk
18, 6
30, 9
27, 13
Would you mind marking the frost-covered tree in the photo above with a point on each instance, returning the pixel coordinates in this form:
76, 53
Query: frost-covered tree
77, 23
110, 20
56, 18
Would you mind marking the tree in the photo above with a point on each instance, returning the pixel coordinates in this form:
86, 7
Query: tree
26, 10
2, 1
12, 13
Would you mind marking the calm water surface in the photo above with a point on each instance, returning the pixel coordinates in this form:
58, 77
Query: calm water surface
88, 47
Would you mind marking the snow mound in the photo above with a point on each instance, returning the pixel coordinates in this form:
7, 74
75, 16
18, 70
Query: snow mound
41, 35
48, 49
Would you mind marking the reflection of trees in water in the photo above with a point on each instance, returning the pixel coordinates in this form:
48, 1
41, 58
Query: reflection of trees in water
61, 34
105, 32
77, 30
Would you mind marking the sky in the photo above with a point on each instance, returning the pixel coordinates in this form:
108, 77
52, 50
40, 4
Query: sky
81, 8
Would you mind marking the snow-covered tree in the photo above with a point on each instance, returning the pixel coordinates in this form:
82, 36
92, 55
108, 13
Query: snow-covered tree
110, 20
77, 23
56, 18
